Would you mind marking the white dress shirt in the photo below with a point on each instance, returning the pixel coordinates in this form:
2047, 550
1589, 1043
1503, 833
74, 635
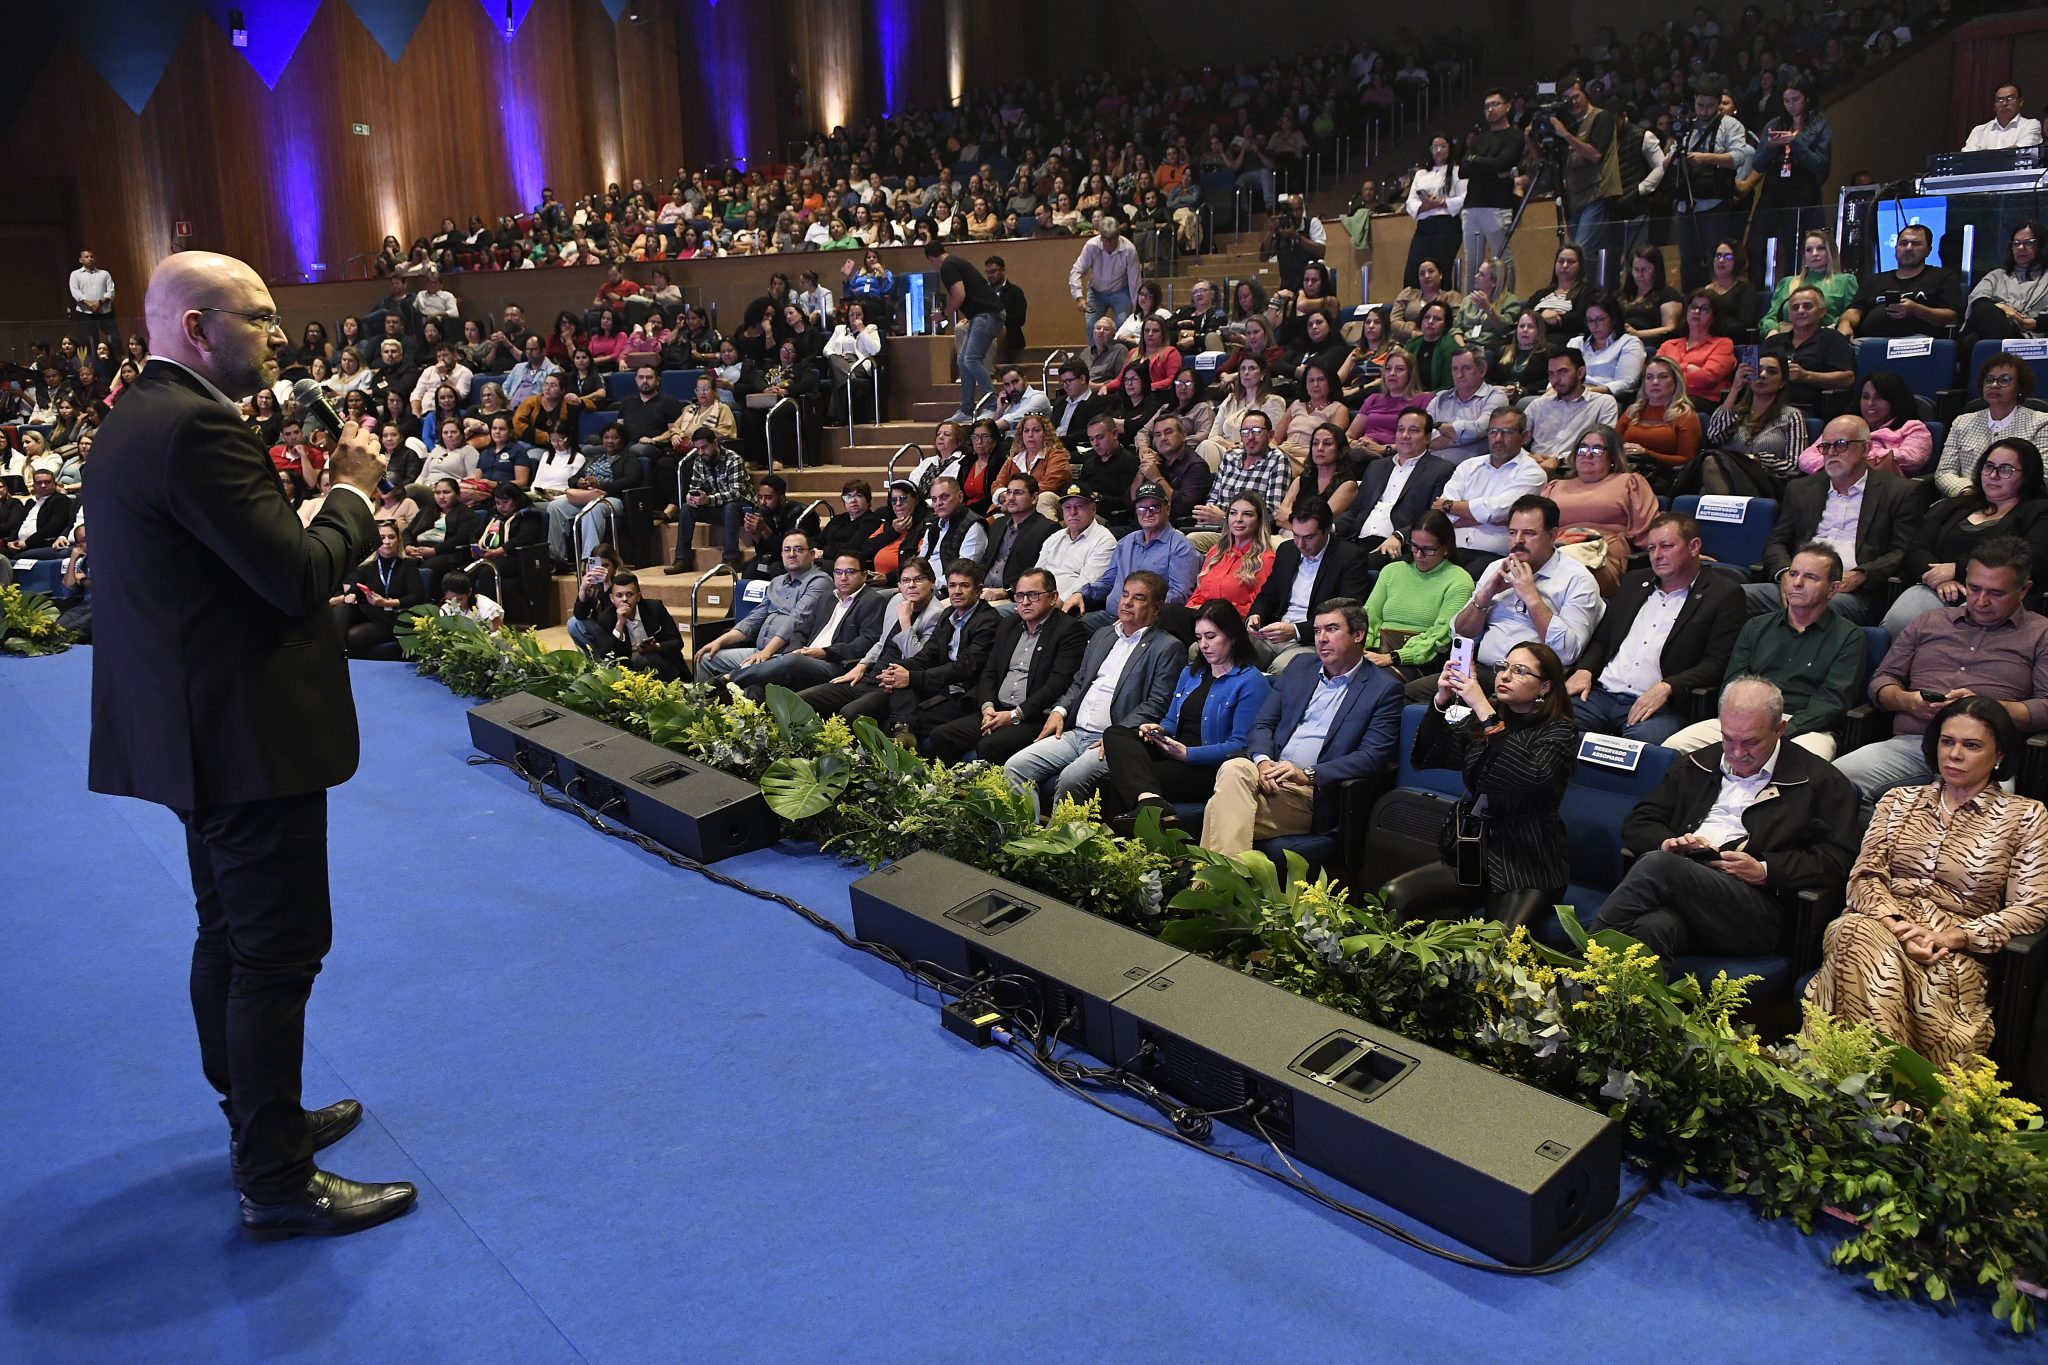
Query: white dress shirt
1093, 713
1488, 491
1839, 517
1302, 595
824, 637
1379, 523
1993, 135
1075, 561
1723, 824
1638, 665
96, 286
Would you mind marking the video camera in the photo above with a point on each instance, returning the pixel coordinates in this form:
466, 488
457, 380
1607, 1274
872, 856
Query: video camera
1541, 105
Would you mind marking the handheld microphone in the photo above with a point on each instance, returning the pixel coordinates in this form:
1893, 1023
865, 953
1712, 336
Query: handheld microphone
308, 394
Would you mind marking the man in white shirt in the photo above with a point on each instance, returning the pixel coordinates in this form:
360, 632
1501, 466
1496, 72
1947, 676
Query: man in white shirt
1081, 551
1462, 412
1558, 418
2007, 127
434, 301
1480, 493
446, 369
1534, 593
1126, 678
1105, 276
92, 300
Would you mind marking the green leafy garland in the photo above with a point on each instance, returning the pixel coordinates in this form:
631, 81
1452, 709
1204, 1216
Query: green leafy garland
28, 623
1944, 1174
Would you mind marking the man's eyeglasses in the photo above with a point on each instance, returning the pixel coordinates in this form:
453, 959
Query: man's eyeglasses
846, 573
1837, 447
1502, 432
266, 321
1021, 596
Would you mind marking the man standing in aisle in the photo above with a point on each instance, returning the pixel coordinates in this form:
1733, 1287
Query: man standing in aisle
977, 313
92, 301
213, 592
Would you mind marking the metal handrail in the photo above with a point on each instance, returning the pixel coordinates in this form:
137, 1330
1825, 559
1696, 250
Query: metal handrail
603, 500
724, 568
889, 471
768, 429
497, 576
875, 388
1059, 357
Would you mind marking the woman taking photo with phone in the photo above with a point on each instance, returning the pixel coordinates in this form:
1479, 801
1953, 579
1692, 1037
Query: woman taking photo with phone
1503, 848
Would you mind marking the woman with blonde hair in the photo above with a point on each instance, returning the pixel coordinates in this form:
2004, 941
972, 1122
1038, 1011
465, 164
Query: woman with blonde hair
1660, 432
1236, 566
1040, 453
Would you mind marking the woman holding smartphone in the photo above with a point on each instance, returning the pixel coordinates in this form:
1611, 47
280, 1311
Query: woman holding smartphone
1504, 850
1208, 721
382, 586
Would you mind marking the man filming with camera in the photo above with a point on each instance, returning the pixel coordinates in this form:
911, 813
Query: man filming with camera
1713, 147
1591, 172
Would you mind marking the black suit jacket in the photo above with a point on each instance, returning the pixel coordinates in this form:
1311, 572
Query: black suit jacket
1053, 664
1023, 550
1885, 529
1424, 487
655, 619
933, 674
218, 674
54, 520
1696, 651
1343, 573
858, 630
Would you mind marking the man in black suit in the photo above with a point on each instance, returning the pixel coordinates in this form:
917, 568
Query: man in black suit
937, 683
1013, 537
1872, 517
1313, 566
1033, 660
220, 691
638, 632
908, 620
840, 628
1394, 492
1670, 628
1073, 403
36, 524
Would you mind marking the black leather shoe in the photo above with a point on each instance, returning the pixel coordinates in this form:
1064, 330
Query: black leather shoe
329, 1206
325, 1126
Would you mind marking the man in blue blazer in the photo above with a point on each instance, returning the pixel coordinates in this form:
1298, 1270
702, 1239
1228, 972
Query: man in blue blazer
1126, 678
1329, 718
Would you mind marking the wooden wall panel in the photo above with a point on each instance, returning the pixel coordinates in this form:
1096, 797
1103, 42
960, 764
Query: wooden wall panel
276, 176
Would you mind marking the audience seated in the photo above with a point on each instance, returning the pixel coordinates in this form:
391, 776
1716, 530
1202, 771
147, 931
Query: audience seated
1015, 537
1820, 362
1565, 411
1393, 493
2005, 383
1726, 831
1479, 492
1504, 849
1079, 553
1331, 716
1988, 646
1950, 871
779, 622
2007, 497
637, 633
1312, 566
1462, 413
1814, 656
1125, 678
1155, 547
908, 620
1604, 510
1031, 663
717, 482
1669, 629
1915, 299
1867, 516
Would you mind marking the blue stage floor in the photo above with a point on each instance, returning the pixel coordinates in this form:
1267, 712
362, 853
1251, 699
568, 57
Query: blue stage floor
655, 1120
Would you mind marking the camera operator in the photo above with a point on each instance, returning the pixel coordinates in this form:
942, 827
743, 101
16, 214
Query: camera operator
1591, 174
1712, 148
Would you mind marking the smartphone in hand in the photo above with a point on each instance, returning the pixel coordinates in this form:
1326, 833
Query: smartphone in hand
1461, 653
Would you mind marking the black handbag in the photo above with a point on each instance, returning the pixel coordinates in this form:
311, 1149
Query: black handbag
1462, 844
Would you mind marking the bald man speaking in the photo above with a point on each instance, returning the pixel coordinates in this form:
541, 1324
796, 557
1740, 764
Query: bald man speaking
220, 690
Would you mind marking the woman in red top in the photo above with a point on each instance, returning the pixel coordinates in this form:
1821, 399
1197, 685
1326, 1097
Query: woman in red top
567, 340
1161, 360
1705, 359
1236, 566
1660, 432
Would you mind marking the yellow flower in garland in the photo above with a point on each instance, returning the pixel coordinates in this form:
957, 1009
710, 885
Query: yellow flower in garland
1978, 1099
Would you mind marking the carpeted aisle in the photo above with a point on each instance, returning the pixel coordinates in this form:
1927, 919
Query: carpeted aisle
655, 1120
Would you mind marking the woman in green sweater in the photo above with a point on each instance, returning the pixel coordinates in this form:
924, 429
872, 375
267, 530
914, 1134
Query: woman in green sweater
1819, 267
1409, 613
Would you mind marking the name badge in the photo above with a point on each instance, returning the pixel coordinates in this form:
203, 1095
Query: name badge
1905, 348
2026, 348
1722, 507
1611, 751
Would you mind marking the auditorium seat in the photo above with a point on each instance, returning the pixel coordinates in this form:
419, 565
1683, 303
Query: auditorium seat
680, 384
618, 387
1926, 375
1737, 545
1990, 347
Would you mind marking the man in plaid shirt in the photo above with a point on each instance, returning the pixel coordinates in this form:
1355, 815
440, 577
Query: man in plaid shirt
1258, 467
718, 479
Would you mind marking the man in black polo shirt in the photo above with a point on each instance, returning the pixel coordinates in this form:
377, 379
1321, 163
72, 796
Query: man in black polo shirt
1108, 469
1916, 300
1014, 305
977, 313
647, 413
1820, 364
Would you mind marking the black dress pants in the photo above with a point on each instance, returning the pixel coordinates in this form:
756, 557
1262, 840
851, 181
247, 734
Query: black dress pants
259, 882
1432, 892
1135, 768
1673, 905
951, 742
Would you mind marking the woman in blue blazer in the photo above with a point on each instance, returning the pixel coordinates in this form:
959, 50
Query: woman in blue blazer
1213, 707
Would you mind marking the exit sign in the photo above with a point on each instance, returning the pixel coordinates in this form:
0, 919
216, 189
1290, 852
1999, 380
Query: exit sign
360, 129
182, 228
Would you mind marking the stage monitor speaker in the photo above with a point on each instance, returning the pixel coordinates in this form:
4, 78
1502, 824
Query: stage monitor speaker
537, 735
1499, 1165
930, 908
699, 812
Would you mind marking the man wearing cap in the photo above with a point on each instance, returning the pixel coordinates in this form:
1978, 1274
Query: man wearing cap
1015, 539
1126, 678
1081, 552
1155, 548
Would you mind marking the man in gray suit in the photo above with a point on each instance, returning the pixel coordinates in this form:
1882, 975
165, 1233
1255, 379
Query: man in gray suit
1126, 678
